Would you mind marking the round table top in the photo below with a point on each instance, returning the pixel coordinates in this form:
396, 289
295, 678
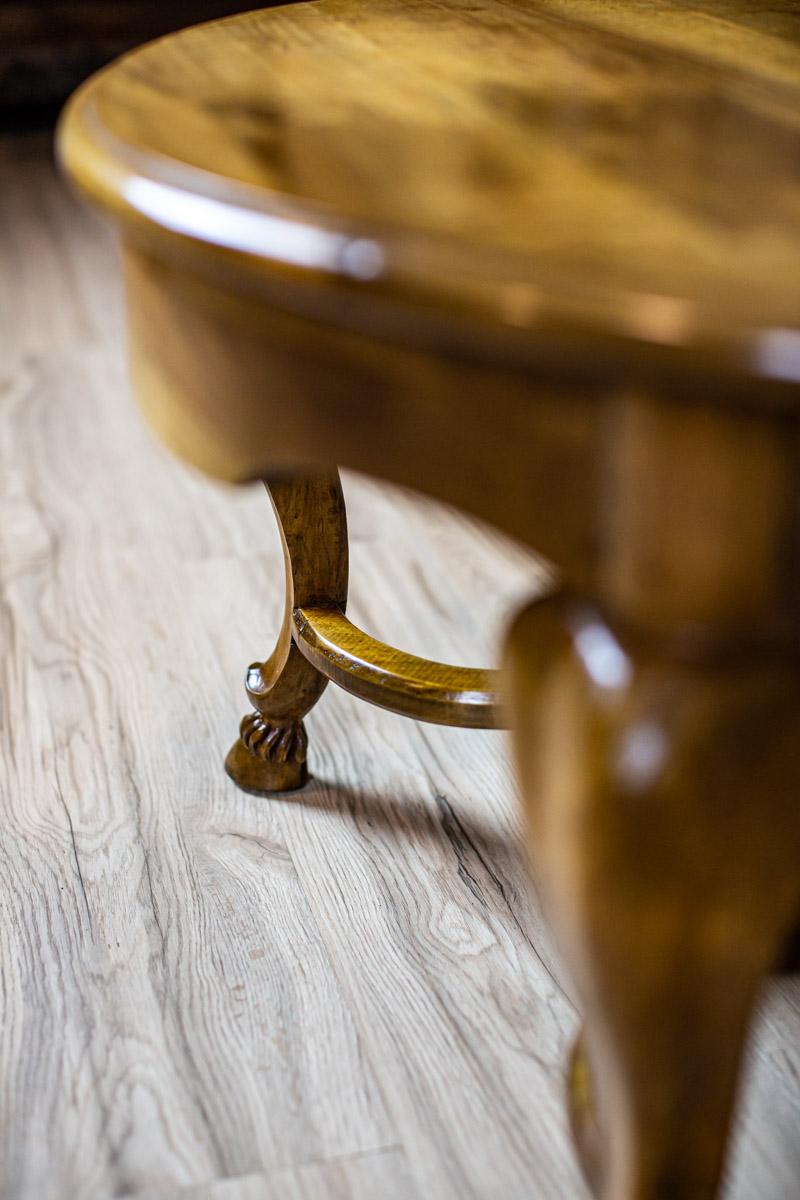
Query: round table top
630, 169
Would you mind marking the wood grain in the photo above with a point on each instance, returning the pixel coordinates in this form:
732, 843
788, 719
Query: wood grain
404, 683
271, 751
364, 236
383, 1173
350, 993
662, 803
557, 168
171, 1012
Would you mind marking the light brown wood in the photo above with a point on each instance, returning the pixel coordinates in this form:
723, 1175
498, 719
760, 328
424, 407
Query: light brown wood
618, 169
382, 1174
665, 830
271, 389
658, 740
404, 683
556, 133
699, 530
208, 994
539, 260
271, 750
317, 643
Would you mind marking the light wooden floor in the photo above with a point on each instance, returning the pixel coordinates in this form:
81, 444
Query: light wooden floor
346, 994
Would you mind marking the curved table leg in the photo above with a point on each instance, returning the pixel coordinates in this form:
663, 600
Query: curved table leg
662, 798
270, 752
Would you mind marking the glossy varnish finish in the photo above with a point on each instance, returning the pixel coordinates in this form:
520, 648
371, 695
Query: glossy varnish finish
270, 753
542, 261
526, 163
209, 996
390, 678
317, 643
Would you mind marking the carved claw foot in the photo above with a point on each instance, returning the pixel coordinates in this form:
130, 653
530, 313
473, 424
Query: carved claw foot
268, 757
270, 752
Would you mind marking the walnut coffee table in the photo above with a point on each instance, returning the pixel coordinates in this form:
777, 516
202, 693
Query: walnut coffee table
540, 260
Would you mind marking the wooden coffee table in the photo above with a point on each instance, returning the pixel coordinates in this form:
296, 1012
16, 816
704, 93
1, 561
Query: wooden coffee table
540, 260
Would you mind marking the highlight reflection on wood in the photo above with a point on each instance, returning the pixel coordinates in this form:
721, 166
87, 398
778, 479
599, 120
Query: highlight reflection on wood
391, 679
317, 643
270, 753
662, 796
540, 261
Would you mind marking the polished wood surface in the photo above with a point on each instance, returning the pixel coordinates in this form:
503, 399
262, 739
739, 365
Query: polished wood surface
317, 642
346, 994
539, 260
405, 683
646, 159
270, 752
622, 171
274, 390
666, 833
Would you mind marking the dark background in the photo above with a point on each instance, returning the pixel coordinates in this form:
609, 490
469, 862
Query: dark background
48, 46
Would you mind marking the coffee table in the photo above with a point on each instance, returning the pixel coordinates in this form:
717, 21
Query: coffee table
539, 260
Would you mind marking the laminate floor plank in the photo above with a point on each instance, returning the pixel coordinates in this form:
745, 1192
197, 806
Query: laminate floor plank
344, 994
170, 1014
382, 1173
